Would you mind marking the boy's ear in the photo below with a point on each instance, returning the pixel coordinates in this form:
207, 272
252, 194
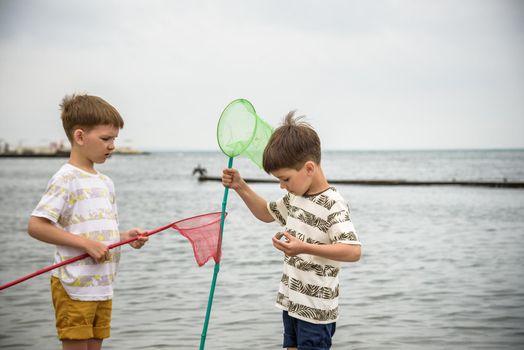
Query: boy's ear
78, 136
310, 167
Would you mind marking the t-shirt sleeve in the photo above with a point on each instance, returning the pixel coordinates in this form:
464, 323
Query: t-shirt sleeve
341, 229
55, 200
279, 209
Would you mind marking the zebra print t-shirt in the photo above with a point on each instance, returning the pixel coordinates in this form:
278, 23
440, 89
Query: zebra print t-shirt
309, 287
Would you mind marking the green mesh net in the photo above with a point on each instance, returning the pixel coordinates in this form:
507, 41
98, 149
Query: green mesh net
241, 131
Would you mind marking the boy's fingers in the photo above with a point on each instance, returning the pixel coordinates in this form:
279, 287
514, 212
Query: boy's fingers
103, 257
278, 243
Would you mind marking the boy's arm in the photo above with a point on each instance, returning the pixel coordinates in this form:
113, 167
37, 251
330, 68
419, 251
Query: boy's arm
43, 230
339, 251
257, 205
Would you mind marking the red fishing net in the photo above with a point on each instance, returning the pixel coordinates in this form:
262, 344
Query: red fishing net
203, 231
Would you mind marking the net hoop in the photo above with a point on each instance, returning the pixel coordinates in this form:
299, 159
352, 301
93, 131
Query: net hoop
178, 228
223, 114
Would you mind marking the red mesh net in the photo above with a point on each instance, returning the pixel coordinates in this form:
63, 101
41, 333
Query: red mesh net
203, 231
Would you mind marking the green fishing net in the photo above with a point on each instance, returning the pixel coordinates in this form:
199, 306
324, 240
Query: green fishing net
241, 131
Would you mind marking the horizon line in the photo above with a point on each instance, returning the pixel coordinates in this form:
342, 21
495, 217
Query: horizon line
355, 149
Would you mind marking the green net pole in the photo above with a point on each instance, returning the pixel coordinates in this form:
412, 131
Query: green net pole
217, 265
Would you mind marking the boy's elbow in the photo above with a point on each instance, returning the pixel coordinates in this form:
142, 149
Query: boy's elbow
33, 226
267, 219
265, 216
358, 255
354, 254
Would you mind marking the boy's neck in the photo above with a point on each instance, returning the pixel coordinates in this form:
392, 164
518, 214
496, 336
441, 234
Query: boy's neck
76, 159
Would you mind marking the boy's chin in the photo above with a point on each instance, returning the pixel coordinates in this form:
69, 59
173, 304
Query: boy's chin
101, 161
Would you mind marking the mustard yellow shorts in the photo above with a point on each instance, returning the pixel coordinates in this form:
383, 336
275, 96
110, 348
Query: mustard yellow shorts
79, 320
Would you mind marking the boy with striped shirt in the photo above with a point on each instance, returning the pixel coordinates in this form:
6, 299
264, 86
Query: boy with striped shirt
318, 233
78, 214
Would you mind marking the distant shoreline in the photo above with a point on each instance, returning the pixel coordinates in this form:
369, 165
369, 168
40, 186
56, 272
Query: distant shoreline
63, 154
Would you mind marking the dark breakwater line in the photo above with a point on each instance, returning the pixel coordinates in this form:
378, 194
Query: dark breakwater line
493, 184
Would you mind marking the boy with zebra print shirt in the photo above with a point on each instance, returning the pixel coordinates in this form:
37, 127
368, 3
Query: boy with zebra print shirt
318, 233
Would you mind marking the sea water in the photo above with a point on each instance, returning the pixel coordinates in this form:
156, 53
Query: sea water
442, 266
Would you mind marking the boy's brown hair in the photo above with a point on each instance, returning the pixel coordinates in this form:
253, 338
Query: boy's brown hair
291, 145
86, 112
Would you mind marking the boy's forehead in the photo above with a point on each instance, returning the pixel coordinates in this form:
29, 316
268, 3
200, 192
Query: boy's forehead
106, 129
282, 172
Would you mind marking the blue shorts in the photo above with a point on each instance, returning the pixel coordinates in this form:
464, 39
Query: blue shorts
306, 335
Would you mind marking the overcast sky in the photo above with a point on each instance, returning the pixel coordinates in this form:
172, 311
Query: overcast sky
367, 74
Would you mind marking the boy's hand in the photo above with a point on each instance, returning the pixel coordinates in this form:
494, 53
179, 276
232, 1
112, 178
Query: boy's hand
291, 245
97, 250
231, 178
134, 232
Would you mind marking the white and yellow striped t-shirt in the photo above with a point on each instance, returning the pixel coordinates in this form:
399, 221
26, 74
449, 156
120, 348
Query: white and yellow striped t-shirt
309, 287
83, 204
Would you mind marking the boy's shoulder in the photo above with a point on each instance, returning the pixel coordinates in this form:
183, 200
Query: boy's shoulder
329, 195
69, 174
321, 204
